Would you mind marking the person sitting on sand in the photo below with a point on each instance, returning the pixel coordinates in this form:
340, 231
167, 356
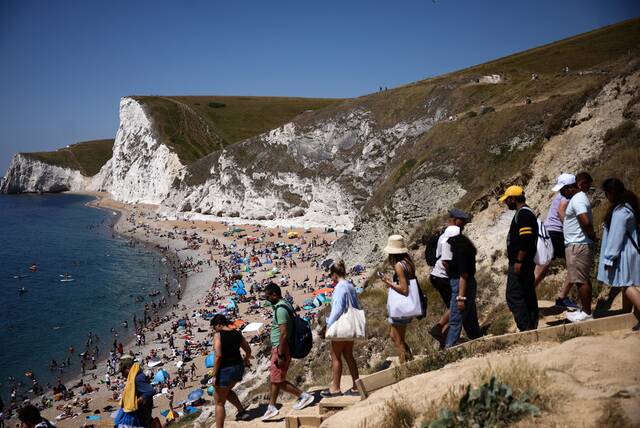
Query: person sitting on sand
30, 416
228, 367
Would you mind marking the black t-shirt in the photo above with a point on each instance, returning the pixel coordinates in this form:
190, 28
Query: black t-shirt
230, 342
463, 260
523, 236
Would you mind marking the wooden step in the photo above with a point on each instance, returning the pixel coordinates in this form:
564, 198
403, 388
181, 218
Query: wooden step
304, 421
334, 404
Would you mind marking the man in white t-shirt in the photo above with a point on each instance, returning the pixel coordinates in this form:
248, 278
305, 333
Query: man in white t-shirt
579, 237
439, 277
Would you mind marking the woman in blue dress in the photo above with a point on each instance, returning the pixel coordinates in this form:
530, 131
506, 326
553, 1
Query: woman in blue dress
620, 251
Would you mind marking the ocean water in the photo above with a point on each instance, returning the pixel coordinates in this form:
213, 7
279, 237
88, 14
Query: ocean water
61, 234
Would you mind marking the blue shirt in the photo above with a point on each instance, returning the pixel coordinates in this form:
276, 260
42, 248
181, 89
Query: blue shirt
573, 233
145, 390
618, 251
342, 294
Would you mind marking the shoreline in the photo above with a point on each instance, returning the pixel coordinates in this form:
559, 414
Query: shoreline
202, 285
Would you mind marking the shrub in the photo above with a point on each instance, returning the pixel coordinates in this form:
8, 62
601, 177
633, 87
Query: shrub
613, 416
487, 109
214, 104
491, 404
470, 114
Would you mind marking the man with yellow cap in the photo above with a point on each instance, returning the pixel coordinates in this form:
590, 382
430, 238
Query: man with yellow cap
521, 249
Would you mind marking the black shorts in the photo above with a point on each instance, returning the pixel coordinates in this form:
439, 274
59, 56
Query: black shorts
443, 287
557, 240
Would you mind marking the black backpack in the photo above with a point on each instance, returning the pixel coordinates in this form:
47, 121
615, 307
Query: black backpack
431, 247
301, 336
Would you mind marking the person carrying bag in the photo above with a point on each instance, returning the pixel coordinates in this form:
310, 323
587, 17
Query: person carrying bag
345, 324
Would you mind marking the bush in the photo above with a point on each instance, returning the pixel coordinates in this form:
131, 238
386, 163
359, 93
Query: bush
492, 404
470, 114
214, 104
487, 109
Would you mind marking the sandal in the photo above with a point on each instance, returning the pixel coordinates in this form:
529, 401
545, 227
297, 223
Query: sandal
326, 393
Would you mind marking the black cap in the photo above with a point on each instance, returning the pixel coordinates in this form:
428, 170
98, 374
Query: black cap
458, 213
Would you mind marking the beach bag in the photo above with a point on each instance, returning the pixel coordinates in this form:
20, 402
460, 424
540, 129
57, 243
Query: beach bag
400, 306
350, 325
301, 337
431, 248
544, 246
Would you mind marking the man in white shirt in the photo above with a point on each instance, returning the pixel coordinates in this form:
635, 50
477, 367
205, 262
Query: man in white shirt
439, 277
579, 237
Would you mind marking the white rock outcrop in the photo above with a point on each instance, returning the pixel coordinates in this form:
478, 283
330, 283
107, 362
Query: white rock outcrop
29, 175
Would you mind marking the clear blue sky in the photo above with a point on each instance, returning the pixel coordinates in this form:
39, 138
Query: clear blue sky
65, 64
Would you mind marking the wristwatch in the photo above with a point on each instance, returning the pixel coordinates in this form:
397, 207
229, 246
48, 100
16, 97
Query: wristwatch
459, 298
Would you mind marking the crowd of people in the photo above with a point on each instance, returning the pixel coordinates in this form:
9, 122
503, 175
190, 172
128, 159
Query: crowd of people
569, 227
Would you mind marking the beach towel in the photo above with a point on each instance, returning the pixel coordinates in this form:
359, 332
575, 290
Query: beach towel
129, 403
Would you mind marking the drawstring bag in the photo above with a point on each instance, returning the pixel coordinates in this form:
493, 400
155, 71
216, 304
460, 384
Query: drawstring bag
350, 325
401, 306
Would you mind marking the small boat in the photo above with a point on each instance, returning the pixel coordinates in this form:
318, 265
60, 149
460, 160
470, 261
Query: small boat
19, 276
66, 277
67, 280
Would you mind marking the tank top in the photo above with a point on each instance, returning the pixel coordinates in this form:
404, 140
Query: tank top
230, 343
553, 221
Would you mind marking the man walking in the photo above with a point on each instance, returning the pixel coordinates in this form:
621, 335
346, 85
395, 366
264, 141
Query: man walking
462, 270
281, 337
521, 249
579, 238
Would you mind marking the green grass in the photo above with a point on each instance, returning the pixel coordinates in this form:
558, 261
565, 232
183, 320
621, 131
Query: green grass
195, 126
87, 156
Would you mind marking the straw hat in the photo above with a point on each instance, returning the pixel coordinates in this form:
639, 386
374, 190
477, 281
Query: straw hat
396, 245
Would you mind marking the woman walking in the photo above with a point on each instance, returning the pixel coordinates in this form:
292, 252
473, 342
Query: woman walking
404, 273
229, 366
620, 251
344, 295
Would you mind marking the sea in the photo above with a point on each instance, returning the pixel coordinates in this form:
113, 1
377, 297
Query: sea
61, 235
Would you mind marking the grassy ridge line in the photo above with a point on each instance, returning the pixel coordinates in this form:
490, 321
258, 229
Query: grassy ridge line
86, 156
194, 126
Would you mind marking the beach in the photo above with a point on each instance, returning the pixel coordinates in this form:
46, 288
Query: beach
202, 253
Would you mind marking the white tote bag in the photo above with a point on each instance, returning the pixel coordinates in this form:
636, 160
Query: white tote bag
350, 325
400, 306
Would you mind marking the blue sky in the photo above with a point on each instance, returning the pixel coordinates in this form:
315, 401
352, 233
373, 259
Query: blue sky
65, 64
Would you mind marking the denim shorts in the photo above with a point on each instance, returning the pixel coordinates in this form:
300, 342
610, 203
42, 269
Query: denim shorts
399, 321
229, 374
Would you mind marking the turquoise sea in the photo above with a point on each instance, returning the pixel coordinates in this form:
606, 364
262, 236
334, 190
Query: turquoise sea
61, 234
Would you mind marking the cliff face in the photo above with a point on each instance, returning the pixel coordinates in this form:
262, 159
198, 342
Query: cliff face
142, 168
29, 175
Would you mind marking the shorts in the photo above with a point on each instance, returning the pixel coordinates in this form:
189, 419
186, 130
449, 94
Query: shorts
399, 321
278, 373
443, 287
557, 240
579, 263
229, 374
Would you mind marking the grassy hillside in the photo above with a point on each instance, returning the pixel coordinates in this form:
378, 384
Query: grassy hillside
197, 125
87, 156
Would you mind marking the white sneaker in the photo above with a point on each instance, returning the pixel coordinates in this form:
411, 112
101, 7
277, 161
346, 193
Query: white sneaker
578, 316
304, 400
271, 413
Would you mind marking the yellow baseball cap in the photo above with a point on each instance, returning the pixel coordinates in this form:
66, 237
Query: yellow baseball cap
512, 191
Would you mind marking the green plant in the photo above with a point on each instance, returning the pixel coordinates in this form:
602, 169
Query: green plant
214, 104
491, 404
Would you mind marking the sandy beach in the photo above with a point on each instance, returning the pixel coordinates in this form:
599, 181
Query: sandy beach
204, 254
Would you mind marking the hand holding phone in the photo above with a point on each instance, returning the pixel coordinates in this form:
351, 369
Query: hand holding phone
380, 275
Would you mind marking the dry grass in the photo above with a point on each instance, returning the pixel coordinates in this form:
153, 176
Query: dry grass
613, 416
397, 413
87, 156
522, 377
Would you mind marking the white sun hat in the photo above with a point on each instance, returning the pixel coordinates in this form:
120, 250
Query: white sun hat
396, 245
564, 179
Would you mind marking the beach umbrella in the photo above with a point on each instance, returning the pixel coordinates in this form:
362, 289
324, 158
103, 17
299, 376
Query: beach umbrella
326, 290
241, 292
195, 395
160, 377
210, 360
